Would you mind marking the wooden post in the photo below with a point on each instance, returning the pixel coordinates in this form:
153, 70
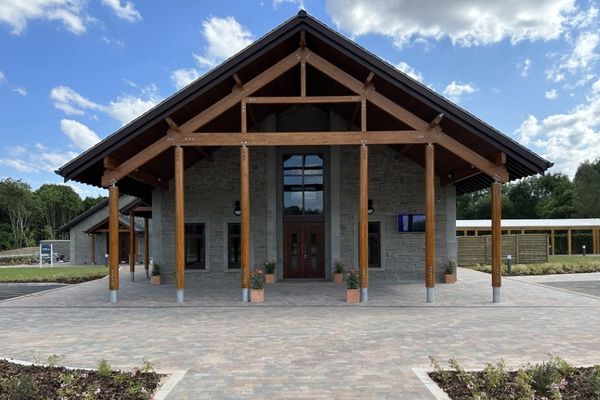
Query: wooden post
132, 245
496, 240
93, 250
245, 221
363, 222
303, 78
146, 246
179, 225
594, 241
113, 241
552, 242
430, 222
569, 241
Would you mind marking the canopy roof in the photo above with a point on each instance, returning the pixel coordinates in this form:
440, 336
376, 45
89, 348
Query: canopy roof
353, 60
543, 224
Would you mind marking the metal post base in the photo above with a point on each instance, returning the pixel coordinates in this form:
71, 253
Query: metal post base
147, 274
113, 296
430, 295
132, 276
496, 295
180, 296
245, 295
364, 294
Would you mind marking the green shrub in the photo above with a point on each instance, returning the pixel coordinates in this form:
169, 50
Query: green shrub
104, 369
352, 281
338, 267
257, 279
544, 375
270, 266
592, 383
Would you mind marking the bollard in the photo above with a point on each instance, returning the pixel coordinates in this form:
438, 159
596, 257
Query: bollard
106, 260
509, 264
583, 250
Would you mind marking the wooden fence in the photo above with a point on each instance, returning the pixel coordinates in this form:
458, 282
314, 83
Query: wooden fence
524, 249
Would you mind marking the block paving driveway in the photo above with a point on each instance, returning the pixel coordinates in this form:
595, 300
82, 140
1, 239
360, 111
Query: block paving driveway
305, 342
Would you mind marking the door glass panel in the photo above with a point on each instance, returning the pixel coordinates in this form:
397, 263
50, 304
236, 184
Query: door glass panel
294, 251
314, 252
303, 184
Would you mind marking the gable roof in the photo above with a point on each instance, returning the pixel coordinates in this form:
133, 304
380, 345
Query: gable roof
91, 211
149, 127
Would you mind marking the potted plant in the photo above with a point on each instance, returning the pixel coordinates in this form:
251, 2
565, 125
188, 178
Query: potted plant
338, 271
257, 286
270, 269
352, 291
155, 275
450, 272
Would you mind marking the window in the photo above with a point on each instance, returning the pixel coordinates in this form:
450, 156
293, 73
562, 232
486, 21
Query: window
411, 223
195, 246
374, 245
303, 184
233, 246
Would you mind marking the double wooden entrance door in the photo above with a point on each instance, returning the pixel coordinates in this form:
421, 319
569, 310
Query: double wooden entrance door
304, 249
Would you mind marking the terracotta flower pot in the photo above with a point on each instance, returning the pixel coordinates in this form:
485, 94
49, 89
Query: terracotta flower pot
257, 295
352, 295
270, 278
338, 277
155, 280
449, 278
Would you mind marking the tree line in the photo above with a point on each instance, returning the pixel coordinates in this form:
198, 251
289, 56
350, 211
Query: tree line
549, 196
28, 216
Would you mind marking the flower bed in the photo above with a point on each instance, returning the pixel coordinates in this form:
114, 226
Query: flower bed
554, 379
50, 382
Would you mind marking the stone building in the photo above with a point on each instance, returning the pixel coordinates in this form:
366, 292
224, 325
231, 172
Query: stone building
305, 149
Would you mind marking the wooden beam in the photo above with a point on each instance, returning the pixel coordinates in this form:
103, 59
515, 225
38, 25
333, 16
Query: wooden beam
172, 125
436, 121
245, 217
250, 87
369, 79
132, 245
110, 162
363, 115
149, 179
553, 242
300, 138
405, 149
569, 242
146, 245
303, 100
113, 237
460, 175
93, 246
244, 120
141, 158
363, 217
179, 220
435, 135
238, 81
302, 39
303, 78
496, 235
429, 216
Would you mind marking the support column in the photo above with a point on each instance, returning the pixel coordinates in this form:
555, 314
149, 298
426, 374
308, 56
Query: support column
430, 223
553, 242
179, 225
496, 241
132, 245
93, 246
245, 221
113, 242
594, 249
146, 247
569, 242
363, 223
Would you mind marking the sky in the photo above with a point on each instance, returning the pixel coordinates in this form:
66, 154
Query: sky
74, 71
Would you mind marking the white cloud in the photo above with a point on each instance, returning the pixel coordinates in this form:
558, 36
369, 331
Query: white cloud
2, 78
17, 13
465, 23
17, 164
551, 94
79, 134
528, 130
224, 37
20, 90
524, 66
41, 160
124, 109
455, 90
299, 3
569, 138
582, 58
184, 76
410, 71
126, 11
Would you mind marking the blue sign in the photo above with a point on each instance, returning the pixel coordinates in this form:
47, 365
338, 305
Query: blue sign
46, 250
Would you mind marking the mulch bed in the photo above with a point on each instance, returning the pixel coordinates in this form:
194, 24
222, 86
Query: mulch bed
576, 386
69, 280
41, 382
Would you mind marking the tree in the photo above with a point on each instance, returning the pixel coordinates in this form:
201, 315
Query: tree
90, 202
56, 205
16, 205
587, 189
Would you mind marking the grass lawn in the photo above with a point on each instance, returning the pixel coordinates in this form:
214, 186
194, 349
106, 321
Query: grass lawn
555, 265
56, 274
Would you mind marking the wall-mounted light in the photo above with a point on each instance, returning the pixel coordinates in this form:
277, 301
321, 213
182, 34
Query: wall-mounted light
370, 208
236, 208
